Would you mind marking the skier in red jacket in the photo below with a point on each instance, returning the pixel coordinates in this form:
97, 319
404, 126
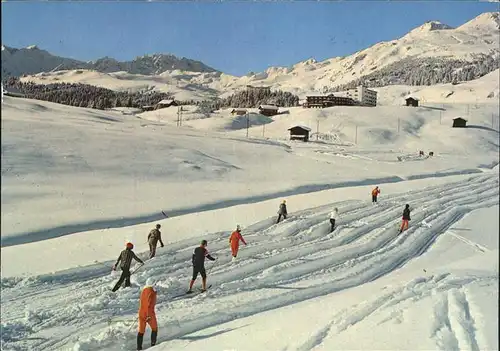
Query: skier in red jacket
234, 241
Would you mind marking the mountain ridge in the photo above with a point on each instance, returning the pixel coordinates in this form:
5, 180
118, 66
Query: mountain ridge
431, 53
33, 60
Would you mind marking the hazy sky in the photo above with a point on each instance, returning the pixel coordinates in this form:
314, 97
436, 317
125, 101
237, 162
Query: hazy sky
234, 37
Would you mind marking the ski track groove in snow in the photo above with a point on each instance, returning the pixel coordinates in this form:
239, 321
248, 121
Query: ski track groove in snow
462, 320
300, 250
476, 246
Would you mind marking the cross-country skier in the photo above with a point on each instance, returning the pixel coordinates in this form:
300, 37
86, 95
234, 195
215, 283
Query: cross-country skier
375, 193
125, 258
147, 314
198, 260
282, 211
234, 241
406, 218
333, 216
153, 237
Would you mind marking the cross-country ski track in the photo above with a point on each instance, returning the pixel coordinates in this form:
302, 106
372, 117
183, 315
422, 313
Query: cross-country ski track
283, 264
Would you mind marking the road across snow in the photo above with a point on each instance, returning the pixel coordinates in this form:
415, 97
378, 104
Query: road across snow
283, 264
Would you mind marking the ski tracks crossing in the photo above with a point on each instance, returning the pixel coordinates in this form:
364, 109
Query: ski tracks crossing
298, 254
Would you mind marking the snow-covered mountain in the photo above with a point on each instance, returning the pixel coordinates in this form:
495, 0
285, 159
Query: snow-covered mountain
434, 50
150, 65
31, 60
430, 54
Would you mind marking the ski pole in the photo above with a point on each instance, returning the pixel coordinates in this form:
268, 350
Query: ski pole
130, 328
212, 266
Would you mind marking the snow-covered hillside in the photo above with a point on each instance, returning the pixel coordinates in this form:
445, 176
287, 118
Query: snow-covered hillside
183, 85
431, 53
479, 36
77, 183
145, 160
482, 90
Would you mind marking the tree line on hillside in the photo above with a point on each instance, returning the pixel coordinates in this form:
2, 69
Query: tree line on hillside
249, 99
426, 71
254, 98
85, 95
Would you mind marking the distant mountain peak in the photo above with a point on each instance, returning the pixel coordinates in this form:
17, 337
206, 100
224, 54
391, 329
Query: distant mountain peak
32, 47
430, 26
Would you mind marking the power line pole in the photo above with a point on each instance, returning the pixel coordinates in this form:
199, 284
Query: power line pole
248, 123
356, 137
317, 130
178, 116
263, 130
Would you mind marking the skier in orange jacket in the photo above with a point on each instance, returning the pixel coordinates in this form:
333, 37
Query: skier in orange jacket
147, 313
375, 193
234, 241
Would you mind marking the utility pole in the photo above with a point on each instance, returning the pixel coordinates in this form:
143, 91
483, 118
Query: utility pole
399, 123
356, 137
263, 130
317, 130
440, 117
248, 123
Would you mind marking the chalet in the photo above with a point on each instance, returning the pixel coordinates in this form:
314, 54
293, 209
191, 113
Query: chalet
299, 133
239, 111
321, 101
268, 110
410, 101
12, 92
166, 103
147, 108
459, 122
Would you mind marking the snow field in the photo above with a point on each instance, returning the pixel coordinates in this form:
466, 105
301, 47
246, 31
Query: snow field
127, 170
297, 256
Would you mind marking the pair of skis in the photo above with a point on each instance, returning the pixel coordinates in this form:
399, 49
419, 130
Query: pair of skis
191, 293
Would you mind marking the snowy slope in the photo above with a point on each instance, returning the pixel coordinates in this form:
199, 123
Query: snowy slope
183, 85
147, 165
348, 286
482, 90
77, 183
432, 40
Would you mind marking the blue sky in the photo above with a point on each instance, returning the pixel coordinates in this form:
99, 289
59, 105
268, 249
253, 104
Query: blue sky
234, 37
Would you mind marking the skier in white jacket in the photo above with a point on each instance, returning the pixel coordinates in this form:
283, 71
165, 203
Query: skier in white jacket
333, 216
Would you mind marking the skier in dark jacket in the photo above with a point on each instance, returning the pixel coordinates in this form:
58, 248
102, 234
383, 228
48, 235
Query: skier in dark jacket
153, 237
198, 260
282, 211
406, 218
125, 258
